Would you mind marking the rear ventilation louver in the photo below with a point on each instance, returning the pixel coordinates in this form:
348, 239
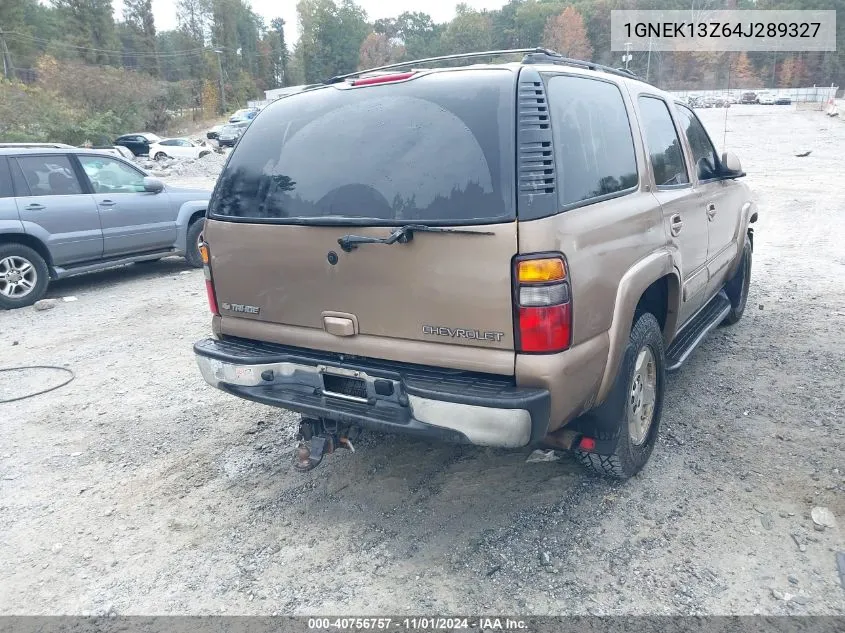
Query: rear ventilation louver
536, 162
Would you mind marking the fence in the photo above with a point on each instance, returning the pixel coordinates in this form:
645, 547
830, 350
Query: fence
815, 94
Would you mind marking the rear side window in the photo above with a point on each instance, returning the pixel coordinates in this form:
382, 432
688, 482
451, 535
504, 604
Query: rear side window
435, 149
50, 175
6, 190
664, 146
594, 149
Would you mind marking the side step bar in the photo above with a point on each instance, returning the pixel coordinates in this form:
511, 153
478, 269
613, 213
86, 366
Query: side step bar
81, 269
693, 333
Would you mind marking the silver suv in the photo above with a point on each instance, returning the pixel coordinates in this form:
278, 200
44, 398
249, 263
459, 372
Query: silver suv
68, 211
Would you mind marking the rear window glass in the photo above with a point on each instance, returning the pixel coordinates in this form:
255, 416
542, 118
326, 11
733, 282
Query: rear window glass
594, 149
436, 149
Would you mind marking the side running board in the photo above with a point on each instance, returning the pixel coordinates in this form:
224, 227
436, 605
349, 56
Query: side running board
693, 333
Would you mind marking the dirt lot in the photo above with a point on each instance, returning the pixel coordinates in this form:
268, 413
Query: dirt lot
137, 489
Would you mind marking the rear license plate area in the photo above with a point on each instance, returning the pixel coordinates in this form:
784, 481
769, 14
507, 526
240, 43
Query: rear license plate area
344, 387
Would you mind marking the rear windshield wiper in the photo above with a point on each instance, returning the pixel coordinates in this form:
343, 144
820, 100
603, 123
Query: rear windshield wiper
402, 235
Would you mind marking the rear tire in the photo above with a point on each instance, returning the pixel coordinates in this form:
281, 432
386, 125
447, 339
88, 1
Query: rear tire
738, 286
192, 250
629, 420
160, 156
24, 276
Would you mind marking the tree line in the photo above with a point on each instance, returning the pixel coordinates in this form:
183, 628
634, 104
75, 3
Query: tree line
159, 72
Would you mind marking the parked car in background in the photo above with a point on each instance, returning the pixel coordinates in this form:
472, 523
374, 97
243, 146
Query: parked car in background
117, 150
717, 102
69, 211
246, 114
783, 101
732, 100
214, 131
138, 144
230, 134
748, 97
766, 98
178, 148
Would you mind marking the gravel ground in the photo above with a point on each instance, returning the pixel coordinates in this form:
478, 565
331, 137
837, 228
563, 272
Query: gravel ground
137, 489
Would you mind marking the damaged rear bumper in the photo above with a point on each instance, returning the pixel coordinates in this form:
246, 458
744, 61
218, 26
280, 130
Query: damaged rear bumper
454, 406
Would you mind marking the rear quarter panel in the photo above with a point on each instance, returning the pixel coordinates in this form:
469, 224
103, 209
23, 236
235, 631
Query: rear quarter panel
614, 249
10, 221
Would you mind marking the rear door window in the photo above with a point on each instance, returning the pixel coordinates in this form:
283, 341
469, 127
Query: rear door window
664, 146
50, 175
435, 149
594, 148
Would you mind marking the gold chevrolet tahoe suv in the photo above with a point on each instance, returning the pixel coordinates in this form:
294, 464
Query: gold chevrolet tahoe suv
504, 255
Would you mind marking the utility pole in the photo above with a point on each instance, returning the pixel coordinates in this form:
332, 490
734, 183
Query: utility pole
8, 68
222, 90
648, 63
627, 56
774, 67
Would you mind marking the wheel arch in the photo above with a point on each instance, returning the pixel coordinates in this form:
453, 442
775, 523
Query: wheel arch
651, 285
32, 242
189, 213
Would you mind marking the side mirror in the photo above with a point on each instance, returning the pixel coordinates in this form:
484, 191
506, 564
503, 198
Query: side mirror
731, 167
153, 185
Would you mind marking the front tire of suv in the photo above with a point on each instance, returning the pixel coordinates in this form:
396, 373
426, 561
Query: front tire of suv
738, 286
192, 248
629, 420
23, 276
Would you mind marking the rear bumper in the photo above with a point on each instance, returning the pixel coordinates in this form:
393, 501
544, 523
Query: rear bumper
454, 406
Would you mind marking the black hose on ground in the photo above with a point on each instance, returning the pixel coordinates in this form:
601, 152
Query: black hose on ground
37, 393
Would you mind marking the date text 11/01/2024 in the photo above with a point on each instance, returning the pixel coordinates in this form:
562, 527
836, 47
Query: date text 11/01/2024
722, 29
417, 624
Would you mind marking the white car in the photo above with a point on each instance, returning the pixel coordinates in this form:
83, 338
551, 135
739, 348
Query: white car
765, 98
178, 148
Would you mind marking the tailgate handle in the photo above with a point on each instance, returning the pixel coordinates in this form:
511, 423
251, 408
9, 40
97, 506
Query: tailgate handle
339, 326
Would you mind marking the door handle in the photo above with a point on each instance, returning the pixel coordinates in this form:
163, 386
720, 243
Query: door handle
34, 207
108, 203
675, 224
711, 210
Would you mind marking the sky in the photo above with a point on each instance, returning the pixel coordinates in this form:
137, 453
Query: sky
439, 10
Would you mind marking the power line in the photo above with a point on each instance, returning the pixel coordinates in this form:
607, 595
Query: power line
23, 36
156, 55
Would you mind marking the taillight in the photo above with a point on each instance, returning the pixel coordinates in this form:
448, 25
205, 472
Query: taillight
543, 307
209, 282
383, 79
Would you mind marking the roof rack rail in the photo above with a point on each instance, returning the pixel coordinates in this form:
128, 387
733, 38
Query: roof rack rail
537, 55
428, 60
542, 56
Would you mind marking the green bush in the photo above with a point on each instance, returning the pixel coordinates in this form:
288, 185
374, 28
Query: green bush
74, 103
